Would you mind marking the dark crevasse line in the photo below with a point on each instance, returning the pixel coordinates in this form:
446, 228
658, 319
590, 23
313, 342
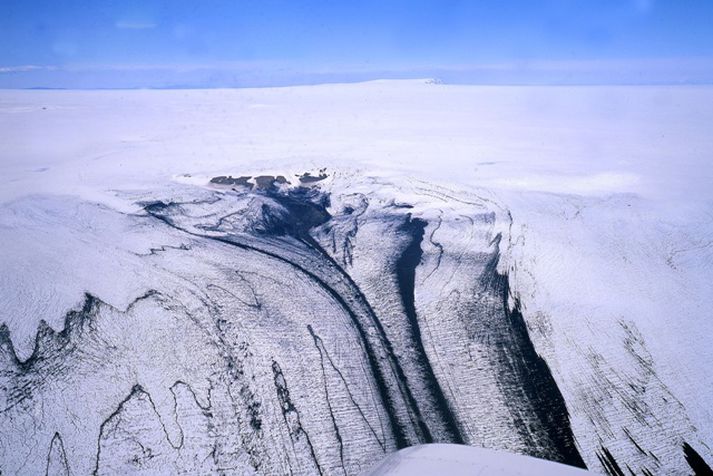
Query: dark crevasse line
337, 433
610, 465
57, 445
135, 390
531, 374
155, 209
47, 339
696, 461
74, 322
406, 276
436, 245
290, 414
325, 355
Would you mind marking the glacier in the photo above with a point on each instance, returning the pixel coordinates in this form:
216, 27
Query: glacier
396, 263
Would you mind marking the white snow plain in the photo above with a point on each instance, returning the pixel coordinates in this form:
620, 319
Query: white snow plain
609, 253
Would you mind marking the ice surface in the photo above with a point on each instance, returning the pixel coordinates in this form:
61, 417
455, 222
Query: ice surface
457, 460
221, 329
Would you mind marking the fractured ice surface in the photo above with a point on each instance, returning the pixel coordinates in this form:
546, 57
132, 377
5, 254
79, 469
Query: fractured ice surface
305, 329
158, 323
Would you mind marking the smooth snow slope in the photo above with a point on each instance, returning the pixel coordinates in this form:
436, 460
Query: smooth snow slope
457, 460
600, 197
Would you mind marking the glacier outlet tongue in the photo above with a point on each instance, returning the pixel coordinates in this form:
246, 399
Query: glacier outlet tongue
306, 330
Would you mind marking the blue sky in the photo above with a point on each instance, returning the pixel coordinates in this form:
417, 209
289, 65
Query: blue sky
152, 43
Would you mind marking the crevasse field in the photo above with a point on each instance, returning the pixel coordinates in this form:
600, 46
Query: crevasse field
521, 269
